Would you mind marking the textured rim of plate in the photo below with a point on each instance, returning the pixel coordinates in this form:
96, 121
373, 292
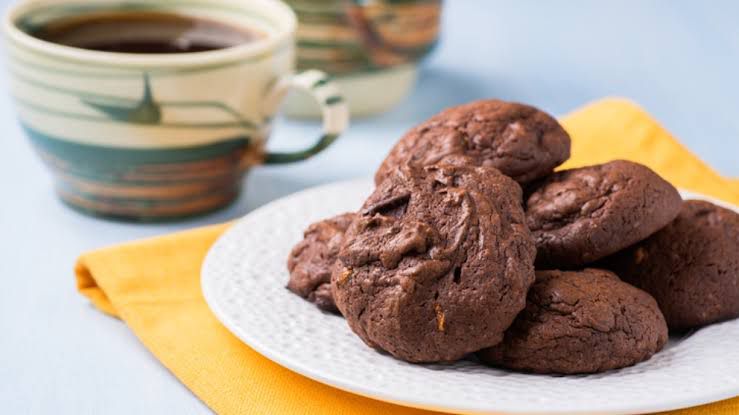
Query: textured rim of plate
396, 397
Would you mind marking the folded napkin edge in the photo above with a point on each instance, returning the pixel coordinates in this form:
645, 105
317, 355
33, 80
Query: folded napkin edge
87, 286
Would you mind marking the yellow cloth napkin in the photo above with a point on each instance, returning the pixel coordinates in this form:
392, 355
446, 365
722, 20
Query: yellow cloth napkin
154, 285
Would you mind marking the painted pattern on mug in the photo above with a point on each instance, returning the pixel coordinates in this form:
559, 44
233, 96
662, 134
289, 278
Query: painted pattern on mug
347, 37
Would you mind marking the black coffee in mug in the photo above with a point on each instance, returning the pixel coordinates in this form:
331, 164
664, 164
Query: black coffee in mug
144, 32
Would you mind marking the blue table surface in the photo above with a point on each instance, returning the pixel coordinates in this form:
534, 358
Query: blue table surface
678, 59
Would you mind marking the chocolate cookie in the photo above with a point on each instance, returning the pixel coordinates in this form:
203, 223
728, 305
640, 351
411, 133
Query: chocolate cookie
311, 260
691, 266
578, 216
581, 322
519, 140
438, 264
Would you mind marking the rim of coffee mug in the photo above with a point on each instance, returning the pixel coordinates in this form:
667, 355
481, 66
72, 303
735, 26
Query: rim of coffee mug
284, 33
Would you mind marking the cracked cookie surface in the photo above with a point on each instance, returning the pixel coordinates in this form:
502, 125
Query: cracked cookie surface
311, 260
521, 141
691, 266
438, 264
580, 215
581, 322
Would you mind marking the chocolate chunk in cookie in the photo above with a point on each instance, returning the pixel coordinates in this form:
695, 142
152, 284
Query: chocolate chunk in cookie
438, 264
580, 215
581, 322
519, 140
311, 260
691, 266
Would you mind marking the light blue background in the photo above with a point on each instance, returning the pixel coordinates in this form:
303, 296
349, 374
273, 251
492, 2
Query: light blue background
679, 59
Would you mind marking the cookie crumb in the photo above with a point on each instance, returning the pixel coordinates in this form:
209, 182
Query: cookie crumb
439, 317
345, 274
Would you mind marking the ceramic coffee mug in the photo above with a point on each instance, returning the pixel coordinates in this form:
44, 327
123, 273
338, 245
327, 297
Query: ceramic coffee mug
154, 136
371, 47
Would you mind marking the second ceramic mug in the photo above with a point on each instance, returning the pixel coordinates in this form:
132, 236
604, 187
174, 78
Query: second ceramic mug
372, 48
159, 135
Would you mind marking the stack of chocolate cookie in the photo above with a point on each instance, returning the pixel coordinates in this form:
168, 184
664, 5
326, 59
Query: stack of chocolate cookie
471, 244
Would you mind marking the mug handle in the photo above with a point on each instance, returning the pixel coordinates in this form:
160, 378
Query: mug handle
334, 110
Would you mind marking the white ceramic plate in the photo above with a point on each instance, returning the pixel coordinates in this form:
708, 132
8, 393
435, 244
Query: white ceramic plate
244, 278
